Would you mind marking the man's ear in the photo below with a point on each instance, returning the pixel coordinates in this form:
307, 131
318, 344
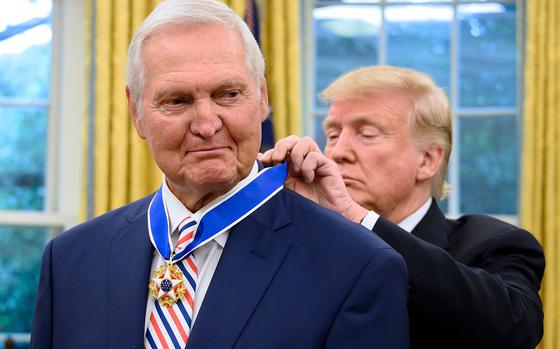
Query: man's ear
430, 161
264, 100
134, 117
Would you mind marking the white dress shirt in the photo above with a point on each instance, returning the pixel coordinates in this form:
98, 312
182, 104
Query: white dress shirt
208, 255
408, 224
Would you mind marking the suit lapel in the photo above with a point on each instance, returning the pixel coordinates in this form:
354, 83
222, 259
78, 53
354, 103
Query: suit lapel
251, 258
433, 227
129, 270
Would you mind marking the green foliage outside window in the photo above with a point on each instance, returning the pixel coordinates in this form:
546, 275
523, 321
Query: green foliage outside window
20, 257
25, 79
23, 137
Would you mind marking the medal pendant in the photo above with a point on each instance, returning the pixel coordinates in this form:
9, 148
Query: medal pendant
167, 285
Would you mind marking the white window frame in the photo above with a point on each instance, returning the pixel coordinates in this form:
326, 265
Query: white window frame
64, 169
457, 112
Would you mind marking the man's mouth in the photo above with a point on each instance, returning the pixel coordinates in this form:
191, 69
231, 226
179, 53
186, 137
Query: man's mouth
349, 180
208, 151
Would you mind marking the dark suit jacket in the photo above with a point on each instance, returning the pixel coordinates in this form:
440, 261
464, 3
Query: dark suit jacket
292, 275
474, 282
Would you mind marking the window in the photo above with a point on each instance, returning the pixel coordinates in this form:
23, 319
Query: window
470, 48
40, 106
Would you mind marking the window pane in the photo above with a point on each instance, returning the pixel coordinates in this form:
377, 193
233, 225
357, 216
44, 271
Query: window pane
345, 39
501, 1
419, 1
25, 48
22, 157
352, 1
489, 164
443, 204
319, 135
418, 38
21, 249
487, 55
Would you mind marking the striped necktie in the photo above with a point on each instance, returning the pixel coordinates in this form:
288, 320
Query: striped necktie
169, 326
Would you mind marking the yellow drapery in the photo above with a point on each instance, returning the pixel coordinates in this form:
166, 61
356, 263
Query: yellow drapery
237, 5
120, 168
540, 187
281, 48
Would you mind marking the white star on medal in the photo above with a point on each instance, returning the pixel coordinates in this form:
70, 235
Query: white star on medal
174, 282
167, 284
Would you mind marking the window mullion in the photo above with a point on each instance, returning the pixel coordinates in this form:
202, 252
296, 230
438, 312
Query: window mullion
309, 57
382, 54
53, 122
21, 102
454, 164
486, 111
34, 219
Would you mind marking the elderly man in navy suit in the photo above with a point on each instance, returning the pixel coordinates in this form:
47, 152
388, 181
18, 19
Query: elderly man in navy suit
474, 280
221, 256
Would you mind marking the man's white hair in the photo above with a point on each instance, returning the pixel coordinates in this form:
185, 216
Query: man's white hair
188, 13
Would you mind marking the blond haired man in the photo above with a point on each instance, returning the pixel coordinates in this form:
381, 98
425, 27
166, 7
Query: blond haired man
474, 281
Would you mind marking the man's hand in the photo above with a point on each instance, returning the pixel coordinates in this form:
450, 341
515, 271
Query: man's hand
313, 175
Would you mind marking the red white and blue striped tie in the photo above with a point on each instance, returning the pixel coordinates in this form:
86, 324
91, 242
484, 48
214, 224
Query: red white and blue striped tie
169, 327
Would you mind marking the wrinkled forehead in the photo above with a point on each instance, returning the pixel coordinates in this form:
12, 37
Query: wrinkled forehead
186, 42
387, 109
215, 29
194, 53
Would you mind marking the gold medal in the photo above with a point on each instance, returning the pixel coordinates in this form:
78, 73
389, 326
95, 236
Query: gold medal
167, 285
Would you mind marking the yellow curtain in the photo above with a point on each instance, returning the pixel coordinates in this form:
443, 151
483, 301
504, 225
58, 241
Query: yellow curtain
237, 5
281, 48
119, 167
540, 188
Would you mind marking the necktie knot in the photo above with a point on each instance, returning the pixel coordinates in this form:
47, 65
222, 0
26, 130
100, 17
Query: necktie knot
186, 230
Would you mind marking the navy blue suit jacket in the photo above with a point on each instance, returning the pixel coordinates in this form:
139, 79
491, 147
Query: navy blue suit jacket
474, 282
292, 275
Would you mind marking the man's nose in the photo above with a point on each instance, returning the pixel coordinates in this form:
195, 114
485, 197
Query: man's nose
206, 121
341, 150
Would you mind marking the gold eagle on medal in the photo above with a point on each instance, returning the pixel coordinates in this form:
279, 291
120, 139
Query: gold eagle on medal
167, 285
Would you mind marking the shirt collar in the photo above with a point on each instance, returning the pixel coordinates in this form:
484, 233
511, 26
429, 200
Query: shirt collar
412, 221
177, 211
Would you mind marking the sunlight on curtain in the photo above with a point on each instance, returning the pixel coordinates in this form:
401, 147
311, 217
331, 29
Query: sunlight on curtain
540, 189
281, 48
236, 5
120, 169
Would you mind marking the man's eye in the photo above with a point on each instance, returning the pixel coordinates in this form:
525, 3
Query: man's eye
332, 136
228, 98
232, 94
172, 105
174, 101
369, 135
229, 95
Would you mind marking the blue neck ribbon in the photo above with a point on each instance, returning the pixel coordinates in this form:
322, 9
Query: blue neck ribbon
218, 218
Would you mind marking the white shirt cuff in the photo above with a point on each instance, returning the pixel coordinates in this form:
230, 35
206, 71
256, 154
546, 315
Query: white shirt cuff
370, 219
